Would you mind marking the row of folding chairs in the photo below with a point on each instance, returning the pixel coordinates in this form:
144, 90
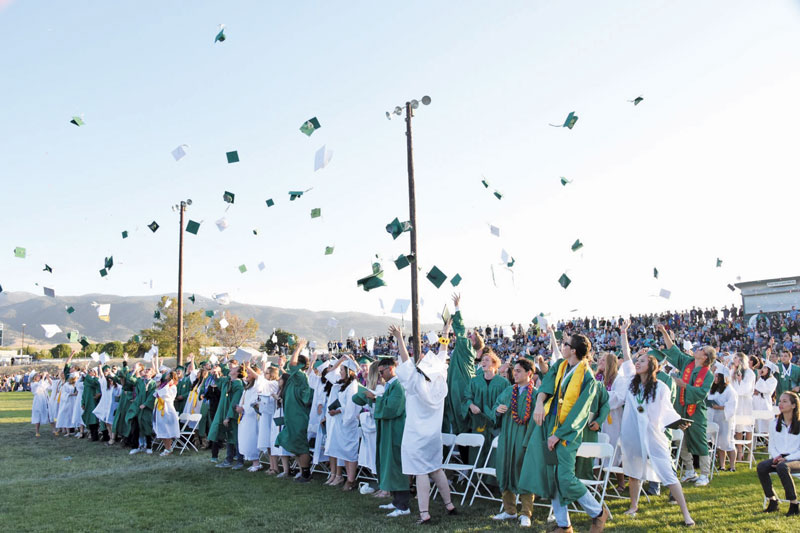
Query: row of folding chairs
188, 425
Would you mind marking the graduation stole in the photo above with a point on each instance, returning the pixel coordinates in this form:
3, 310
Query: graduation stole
698, 382
193, 399
567, 399
787, 371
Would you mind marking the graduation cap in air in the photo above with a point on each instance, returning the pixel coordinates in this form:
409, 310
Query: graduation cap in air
310, 126
494, 230
485, 182
572, 118
47, 268
373, 281
124, 234
655, 272
328, 250
179, 152
322, 158
403, 261
222, 224
156, 314
564, 181
270, 202
564, 281
637, 100
103, 272
19, 252
84, 342
664, 293
70, 310
192, 298
731, 287
455, 280
261, 266
396, 228
72, 336
153, 226
577, 245
50, 330
242, 269
221, 35
49, 292
192, 227
109, 262
228, 197
210, 313
719, 262
233, 157
316, 212
498, 195
255, 231
293, 195
137, 338
436, 276
78, 121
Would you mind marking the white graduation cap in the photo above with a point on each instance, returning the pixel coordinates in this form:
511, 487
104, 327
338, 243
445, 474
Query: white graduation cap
152, 352
687, 345
213, 359
332, 322
242, 354
49, 292
322, 158
103, 312
96, 356
504, 257
494, 230
312, 344
223, 323
772, 366
103, 358
222, 224
305, 352
370, 344
432, 336
349, 363
262, 266
664, 293
167, 303
222, 298
274, 338
722, 369
445, 314
179, 152
50, 330
351, 333
400, 306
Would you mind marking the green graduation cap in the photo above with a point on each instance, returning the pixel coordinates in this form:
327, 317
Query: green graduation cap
124, 234
210, 313
19, 252
255, 231
242, 269
498, 195
157, 314
70, 310
293, 195
328, 250
373, 281
364, 360
318, 363
637, 100
228, 197
84, 342
192, 298
511, 263
316, 212
47, 268
436, 276
395, 227
153, 226
310, 126
221, 35
270, 202
719, 262
192, 227
72, 336
577, 245
455, 280
103, 272
485, 182
731, 287
655, 272
564, 281
572, 118
564, 181
233, 157
78, 121
403, 261
109, 262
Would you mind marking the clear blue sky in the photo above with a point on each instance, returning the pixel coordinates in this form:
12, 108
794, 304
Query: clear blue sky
704, 167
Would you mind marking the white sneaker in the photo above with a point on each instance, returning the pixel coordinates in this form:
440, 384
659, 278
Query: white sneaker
399, 512
689, 475
387, 506
136, 450
504, 516
702, 481
254, 468
149, 451
524, 521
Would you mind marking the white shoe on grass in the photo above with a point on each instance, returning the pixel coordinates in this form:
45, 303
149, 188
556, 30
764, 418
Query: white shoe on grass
689, 475
504, 516
387, 506
524, 521
702, 481
399, 512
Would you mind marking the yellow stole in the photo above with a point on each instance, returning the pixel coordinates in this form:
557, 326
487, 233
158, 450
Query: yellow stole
160, 405
193, 399
566, 399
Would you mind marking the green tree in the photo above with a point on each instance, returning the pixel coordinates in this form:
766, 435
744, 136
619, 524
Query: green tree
114, 349
237, 333
283, 337
164, 331
60, 351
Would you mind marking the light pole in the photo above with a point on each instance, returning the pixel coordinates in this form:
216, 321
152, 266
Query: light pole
22, 351
181, 207
412, 215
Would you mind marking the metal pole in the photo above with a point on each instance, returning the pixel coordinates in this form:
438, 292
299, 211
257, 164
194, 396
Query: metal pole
180, 288
412, 213
22, 352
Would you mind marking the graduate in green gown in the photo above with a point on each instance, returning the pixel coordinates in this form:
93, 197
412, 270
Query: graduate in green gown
693, 384
217, 432
459, 372
184, 384
120, 427
231, 421
297, 396
91, 392
140, 409
512, 412
788, 375
563, 407
479, 401
584, 466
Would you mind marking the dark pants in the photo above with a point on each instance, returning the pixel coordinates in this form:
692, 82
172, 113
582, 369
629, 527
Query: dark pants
215, 446
400, 499
132, 440
93, 431
234, 455
784, 471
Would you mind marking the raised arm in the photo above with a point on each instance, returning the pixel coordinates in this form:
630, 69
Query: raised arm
397, 333
301, 343
623, 340
555, 351
667, 339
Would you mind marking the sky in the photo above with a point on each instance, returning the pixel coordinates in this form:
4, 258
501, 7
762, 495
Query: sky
705, 167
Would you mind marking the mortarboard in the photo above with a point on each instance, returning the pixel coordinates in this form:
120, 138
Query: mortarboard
137, 338
70, 310
328, 250
564, 281
103, 272
637, 100
664, 293
233, 157
242, 269
262, 266
485, 182
572, 118
655, 272
192, 227
564, 181
72, 336
109, 262
153, 226
222, 224
455, 280
84, 342
124, 234
494, 230
577, 245
373, 281
179, 152
221, 35
295, 194
403, 261
316, 212
50, 330
270, 202
364, 360
49, 292
209, 313
498, 195
223, 323
104, 312
19, 252
310, 126
255, 231
156, 314
731, 287
47, 268
436, 276
322, 158
192, 298
719, 262
400, 306
395, 227
78, 121
228, 197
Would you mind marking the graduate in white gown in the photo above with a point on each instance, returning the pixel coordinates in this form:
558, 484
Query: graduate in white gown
248, 409
367, 445
722, 399
54, 397
266, 423
425, 385
69, 395
165, 417
332, 378
764, 390
40, 386
318, 413
77, 409
743, 381
104, 410
648, 411
342, 442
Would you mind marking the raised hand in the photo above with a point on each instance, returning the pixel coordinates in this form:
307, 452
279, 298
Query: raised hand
456, 299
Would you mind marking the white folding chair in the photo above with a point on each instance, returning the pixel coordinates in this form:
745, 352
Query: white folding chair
712, 432
470, 440
675, 448
603, 452
747, 444
609, 468
603, 438
188, 429
485, 470
448, 442
759, 438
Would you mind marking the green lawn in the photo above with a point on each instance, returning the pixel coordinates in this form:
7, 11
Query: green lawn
65, 484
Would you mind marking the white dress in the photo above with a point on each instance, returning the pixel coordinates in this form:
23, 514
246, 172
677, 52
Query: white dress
616, 402
342, 442
724, 418
314, 418
77, 410
266, 404
54, 399
64, 417
744, 402
39, 412
368, 430
247, 437
166, 424
421, 449
105, 407
645, 448
330, 421
762, 400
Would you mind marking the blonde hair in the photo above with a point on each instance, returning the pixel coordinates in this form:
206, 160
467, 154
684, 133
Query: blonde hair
493, 356
372, 376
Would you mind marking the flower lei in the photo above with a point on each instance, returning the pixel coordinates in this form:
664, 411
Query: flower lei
528, 402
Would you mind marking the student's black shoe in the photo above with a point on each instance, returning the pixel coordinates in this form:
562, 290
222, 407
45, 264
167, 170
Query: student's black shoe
772, 507
794, 509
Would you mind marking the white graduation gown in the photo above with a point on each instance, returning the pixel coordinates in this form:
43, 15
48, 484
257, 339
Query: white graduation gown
248, 425
421, 450
314, 417
77, 410
645, 448
266, 404
744, 392
330, 421
762, 400
368, 430
105, 407
724, 418
342, 442
54, 399
616, 402
64, 418
166, 425
39, 412
193, 404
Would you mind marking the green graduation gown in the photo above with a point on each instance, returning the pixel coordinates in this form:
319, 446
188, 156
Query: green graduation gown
296, 406
460, 371
235, 396
599, 413
548, 480
217, 432
183, 388
483, 394
390, 418
121, 426
695, 435
143, 390
91, 387
788, 379
513, 440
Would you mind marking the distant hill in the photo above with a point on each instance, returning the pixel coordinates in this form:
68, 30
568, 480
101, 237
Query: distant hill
130, 314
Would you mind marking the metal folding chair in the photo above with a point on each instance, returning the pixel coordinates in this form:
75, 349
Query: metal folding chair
485, 470
470, 440
188, 429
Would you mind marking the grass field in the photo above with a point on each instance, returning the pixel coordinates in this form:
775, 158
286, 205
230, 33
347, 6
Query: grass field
65, 484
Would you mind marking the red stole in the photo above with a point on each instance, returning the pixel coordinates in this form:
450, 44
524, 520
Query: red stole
698, 382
